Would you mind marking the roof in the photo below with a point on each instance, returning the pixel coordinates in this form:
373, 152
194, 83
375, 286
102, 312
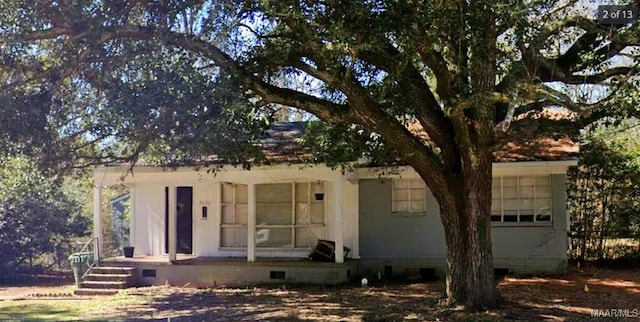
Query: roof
548, 139
549, 135
282, 143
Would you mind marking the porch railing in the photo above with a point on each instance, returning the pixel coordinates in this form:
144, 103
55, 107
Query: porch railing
85, 259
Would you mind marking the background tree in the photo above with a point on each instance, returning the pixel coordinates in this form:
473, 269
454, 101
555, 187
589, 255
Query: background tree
604, 193
39, 214
436, 84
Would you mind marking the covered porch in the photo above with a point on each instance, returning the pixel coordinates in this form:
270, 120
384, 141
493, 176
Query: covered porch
241, 227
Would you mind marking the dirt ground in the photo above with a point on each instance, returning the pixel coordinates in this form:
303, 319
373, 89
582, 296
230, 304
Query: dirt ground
569, 297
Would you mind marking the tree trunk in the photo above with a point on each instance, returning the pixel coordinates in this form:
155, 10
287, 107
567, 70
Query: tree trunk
465, 208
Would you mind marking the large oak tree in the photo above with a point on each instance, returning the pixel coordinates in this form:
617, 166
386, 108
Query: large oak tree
459, 71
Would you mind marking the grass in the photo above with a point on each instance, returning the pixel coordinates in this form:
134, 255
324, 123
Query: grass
68, 308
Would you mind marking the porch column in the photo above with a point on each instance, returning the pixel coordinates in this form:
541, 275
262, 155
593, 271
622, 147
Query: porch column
172, 224
132, 216
251, 222
337, 220
97, 219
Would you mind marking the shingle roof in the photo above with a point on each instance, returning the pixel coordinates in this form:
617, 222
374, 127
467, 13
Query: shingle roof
524, 141
548, 135
282, 143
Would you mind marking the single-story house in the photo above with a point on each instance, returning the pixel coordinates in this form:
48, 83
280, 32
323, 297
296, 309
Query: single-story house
236, 226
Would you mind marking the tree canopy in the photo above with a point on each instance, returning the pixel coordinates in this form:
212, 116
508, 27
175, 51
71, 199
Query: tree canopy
434, 84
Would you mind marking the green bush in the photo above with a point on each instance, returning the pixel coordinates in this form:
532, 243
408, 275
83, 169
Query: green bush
38, 213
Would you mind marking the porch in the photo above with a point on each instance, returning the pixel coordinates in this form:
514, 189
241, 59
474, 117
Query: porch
198, 271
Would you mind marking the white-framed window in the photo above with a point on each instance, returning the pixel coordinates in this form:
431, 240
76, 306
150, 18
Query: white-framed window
408, 196
234, 211
289, 215
521, 199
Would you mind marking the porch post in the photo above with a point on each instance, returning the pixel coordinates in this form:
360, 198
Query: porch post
337, 221
251, 223
97, 217
132, 216
172, 224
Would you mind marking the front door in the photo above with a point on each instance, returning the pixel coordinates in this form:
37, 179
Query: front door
184, 212
184, 220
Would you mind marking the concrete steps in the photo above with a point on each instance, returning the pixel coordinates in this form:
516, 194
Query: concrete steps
106, 280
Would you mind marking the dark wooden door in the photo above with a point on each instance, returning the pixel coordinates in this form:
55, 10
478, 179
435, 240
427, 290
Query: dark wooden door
184, 220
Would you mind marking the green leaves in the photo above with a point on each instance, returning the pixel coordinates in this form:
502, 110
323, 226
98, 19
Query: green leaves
604, 194
37, 211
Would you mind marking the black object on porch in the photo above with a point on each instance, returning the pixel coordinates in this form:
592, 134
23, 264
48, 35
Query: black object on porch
325, 251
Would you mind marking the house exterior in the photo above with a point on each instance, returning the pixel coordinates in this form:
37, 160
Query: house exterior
260, 225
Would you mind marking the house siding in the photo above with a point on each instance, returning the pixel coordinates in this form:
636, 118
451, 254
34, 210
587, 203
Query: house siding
408, 242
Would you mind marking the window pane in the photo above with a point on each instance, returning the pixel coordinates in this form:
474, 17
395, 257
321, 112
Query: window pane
540, 217
273, 237
400, 184
510, 192
417, 194
417, 206
401, 206
401, 195
308, 236
543, 205
510, 212
317, 213
526, 212
302, 192
510, 204
273, 193
525, 181
495, 205
526, 204
496, 218
241, 193
526, 192
495, 192
310, 213
273, 214
543, 192
416, 183
233, 237
526, 218
509, 182
543, 210
510, 218
241, 214
227, 192
303, 211
228, 216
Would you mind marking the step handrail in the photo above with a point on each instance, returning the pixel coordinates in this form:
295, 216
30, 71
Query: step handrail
85, 255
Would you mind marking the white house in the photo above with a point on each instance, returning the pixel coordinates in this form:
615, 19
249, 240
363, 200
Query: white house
236, 226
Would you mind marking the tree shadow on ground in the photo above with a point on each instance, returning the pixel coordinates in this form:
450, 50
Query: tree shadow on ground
572, 296
563, 298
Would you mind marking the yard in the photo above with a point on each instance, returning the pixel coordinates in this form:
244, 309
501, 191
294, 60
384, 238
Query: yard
569, 297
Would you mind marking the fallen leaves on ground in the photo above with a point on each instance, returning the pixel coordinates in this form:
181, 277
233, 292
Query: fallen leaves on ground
569, 297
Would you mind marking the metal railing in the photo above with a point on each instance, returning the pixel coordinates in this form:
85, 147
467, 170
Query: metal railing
82, 261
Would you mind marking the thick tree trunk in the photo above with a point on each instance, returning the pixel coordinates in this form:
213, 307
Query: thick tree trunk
466, 211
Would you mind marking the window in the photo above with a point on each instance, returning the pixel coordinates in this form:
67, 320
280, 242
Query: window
288, 215
521, 199
408, 196
233, 224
